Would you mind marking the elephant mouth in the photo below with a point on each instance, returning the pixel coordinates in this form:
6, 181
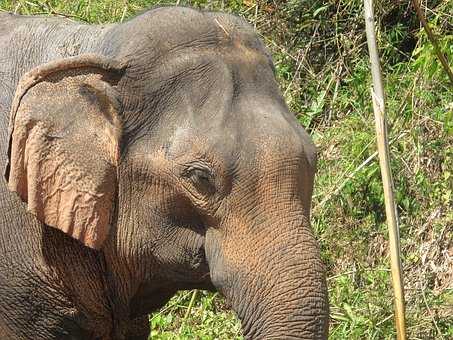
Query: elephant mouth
194, 272
199, 272
198, 260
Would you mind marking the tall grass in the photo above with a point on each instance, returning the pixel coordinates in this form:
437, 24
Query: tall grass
319, 49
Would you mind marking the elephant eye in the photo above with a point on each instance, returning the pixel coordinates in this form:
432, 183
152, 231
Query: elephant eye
200, 178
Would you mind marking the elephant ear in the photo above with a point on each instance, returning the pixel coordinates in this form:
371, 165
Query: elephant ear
64, 145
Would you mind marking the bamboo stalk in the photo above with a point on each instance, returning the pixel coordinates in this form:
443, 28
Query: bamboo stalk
432, 38
377, 93
189, 308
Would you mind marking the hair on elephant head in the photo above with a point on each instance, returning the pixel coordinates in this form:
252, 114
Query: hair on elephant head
167, 147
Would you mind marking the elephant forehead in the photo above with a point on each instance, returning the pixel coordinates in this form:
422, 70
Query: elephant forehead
225, 134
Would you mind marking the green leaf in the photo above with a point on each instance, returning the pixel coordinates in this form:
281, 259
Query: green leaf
319, 10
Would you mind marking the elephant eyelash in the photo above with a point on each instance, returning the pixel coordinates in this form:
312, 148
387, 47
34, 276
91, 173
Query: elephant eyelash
201, 178
197, 174
199, 168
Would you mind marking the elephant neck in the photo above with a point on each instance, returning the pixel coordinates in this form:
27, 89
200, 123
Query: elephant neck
79, 276
96, 298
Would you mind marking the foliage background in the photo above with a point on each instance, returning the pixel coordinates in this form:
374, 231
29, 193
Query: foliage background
319, 48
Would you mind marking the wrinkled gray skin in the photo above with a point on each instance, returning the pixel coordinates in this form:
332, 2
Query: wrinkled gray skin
213, 185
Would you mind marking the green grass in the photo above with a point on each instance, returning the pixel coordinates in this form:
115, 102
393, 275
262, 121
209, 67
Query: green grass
320, 54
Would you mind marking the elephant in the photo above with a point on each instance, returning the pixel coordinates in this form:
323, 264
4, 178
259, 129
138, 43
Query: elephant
147, 157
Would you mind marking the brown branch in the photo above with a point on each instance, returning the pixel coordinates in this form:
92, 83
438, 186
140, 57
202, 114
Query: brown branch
377, 94
432, 38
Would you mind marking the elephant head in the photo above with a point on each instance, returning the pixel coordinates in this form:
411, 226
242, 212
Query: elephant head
174, 154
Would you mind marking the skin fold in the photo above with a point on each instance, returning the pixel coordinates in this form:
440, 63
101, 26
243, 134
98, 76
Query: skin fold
144, 158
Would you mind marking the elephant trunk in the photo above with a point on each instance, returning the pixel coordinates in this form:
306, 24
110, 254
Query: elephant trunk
278, 289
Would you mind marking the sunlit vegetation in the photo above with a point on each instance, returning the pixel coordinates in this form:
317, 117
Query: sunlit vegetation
319, 49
